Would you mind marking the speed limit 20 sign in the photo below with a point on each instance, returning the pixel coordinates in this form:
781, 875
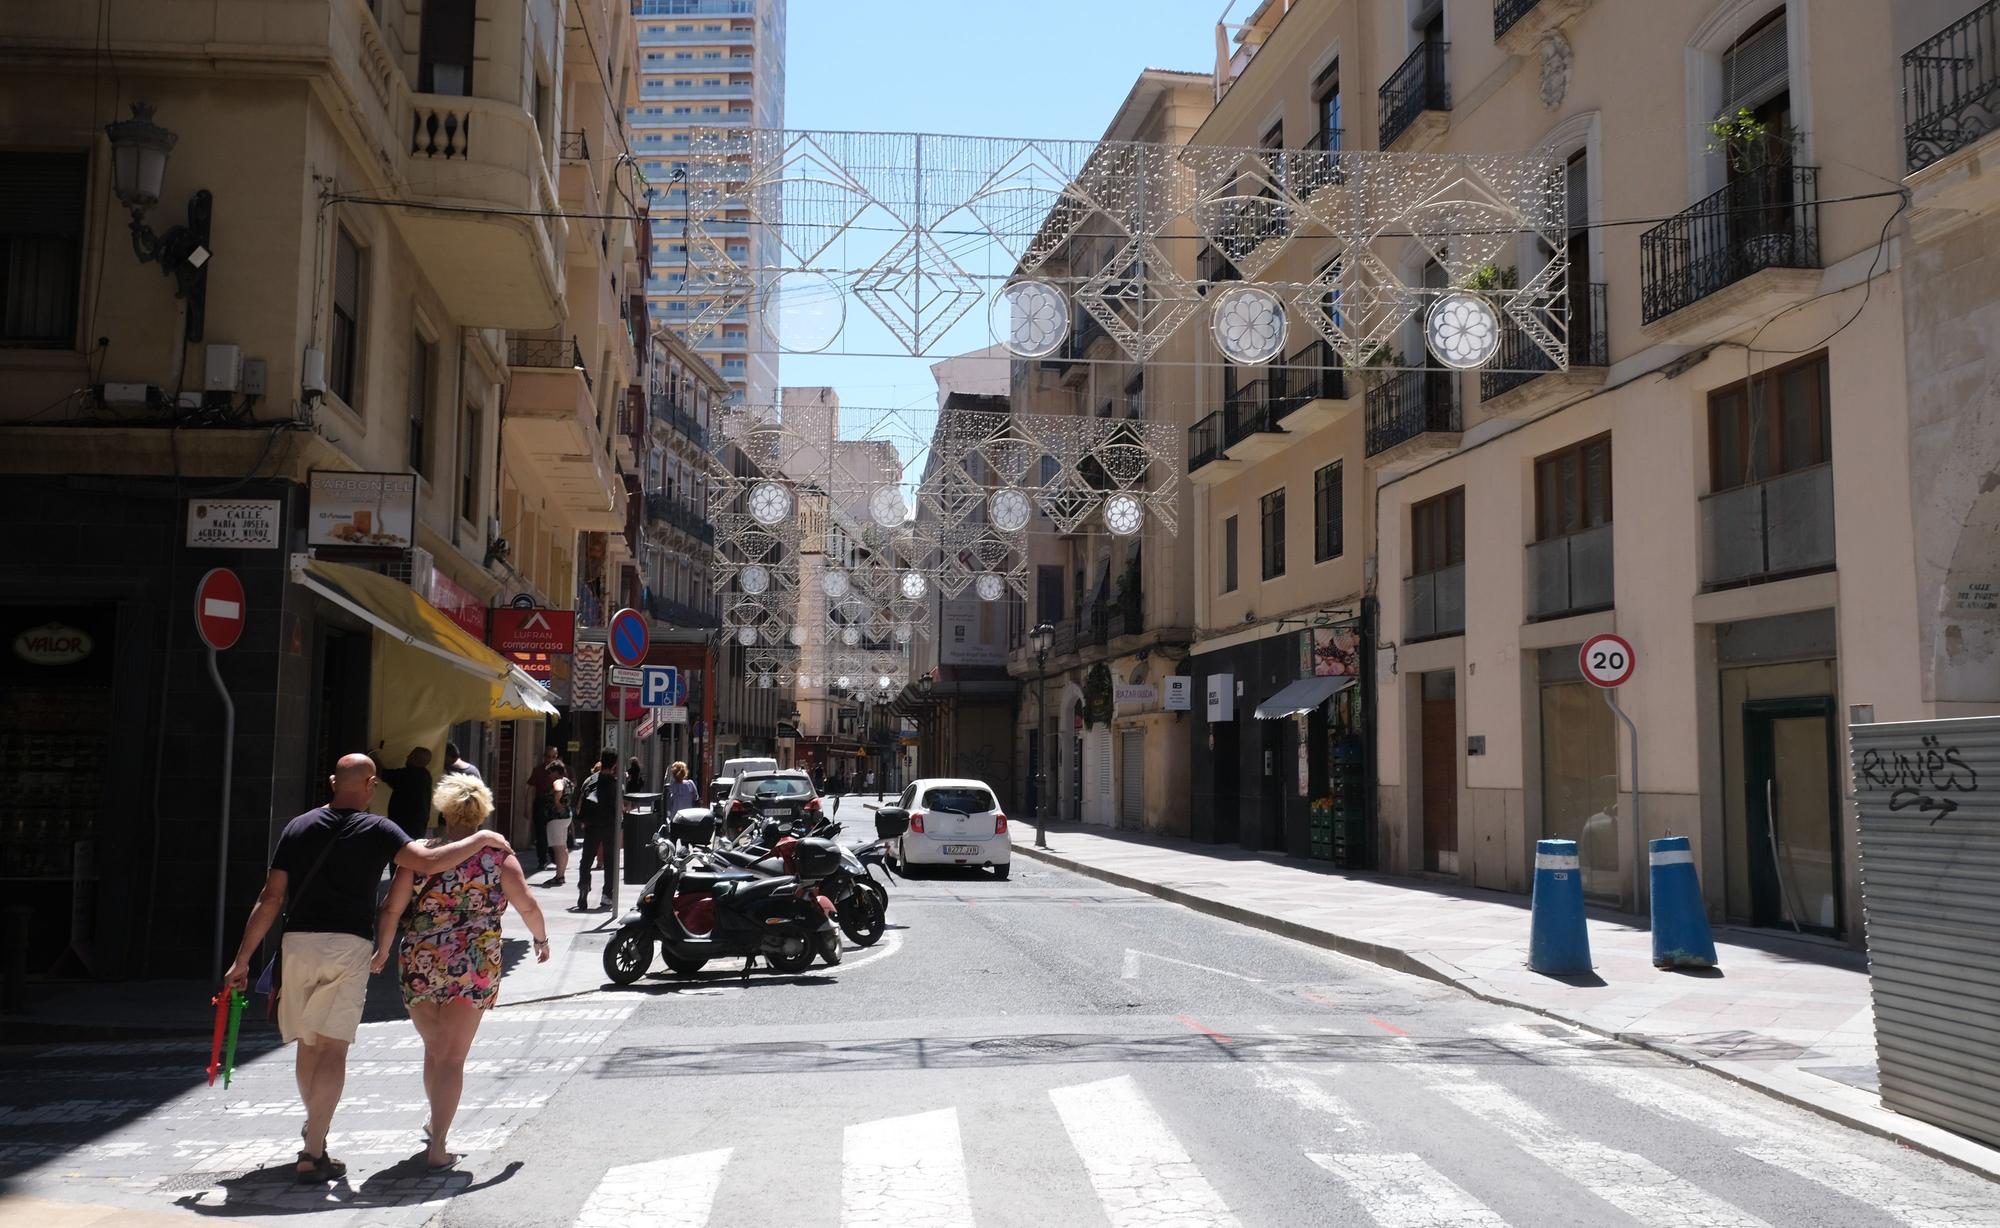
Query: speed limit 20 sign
1606, 660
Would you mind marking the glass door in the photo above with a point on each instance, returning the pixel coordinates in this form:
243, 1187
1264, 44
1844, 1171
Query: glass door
1794, 814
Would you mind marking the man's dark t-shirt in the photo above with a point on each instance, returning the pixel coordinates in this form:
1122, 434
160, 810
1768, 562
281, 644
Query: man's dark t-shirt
602, 814
341, 897
409, 796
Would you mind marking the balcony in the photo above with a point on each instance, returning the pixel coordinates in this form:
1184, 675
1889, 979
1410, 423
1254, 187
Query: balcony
1519, 24
1768, 530
1206, 463
1732, 257
1318, 167
1951, 103
1523, 382
1413, 417
491, 269
675, 513
693, 8
554, 435
1065, 644
1435, 603
1416, 99
1250, 431
1570, 575
1311, 390
574, 147
1094, 624
667, 412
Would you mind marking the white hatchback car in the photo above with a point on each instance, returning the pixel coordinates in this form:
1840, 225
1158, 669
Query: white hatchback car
953, 823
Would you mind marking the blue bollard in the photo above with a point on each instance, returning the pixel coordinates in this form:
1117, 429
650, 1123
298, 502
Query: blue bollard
1680, 923
1558, 944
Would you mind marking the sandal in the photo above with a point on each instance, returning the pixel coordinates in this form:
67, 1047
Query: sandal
451, 1159
324, 1169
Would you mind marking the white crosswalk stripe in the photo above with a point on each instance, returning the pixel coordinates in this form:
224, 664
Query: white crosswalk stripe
672, 1193
1822, 1160
905, 1171
1402, 1191
1141, 1174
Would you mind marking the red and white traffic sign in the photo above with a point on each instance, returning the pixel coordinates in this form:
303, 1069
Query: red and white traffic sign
1606, 660
629, 637
219, 610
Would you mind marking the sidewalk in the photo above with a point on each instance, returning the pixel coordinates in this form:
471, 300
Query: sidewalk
1789, 1017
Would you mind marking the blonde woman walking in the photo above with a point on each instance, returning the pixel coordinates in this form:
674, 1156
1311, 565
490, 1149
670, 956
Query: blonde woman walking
449, 924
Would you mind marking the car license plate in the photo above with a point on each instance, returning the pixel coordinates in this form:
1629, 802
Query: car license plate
961, 850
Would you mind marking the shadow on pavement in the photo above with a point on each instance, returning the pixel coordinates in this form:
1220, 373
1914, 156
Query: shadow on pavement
272, 1191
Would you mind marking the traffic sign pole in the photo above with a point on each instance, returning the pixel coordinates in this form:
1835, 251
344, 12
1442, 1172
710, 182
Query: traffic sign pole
1607, 663
1638, 823
627, 638
222, 845
218, 619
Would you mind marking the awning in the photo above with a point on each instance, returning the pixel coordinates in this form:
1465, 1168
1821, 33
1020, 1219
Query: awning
395, 610
1302, 696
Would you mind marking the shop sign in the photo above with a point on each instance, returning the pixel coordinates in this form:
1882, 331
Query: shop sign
513, 629
587, 683
1135, 695
236, 524
1336, 651
375, 511
646, 726
53, 644
455, 601
1180, 693
537, 665
1222, 697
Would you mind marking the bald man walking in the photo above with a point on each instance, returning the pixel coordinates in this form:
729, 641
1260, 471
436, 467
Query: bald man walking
329, 861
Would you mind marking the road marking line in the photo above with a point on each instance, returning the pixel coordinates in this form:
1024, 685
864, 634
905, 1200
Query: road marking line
1188, 1021
1390, 1028
672, 1193
1132, 966
905, 1171
1401, 1191
1142, 1175
1294, 1084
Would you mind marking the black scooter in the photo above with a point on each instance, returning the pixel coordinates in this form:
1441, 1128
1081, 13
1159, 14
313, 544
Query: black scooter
861, 903
782, 919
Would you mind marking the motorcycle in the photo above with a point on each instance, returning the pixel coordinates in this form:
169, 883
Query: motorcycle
696, 908
860, 902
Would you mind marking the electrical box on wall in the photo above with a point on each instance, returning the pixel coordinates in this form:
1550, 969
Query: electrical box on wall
223, 371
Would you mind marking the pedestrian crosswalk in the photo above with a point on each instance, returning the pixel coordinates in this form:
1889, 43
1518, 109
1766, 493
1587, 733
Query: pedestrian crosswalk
1141, 1159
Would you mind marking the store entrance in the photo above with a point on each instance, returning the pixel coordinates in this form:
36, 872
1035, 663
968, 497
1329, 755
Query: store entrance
1794, 817
340, 714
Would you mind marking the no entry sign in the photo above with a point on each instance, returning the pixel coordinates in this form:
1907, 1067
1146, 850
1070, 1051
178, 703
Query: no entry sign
1606, 660
219, 611
629, 637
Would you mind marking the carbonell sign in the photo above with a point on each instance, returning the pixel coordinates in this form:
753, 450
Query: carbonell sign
52, 644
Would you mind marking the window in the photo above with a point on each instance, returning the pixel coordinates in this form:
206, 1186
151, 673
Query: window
1573, 489
468, 465
1048, 593
1326, 96
41, 229
1775, 424
1229, 555
1437, 533
1328, 533
1271, 512
444, 59
344, 344
421, 368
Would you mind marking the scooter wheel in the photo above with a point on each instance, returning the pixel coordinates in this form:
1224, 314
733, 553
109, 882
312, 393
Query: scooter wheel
862, 919
628, 954
686, 967
829, 948
790, 960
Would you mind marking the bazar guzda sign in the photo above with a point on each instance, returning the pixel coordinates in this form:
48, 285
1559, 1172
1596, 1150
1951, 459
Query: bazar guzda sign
52, 644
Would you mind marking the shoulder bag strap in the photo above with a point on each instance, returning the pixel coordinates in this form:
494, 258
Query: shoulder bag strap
311, 874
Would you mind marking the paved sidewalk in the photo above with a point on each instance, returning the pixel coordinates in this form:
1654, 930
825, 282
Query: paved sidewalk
1789, 1017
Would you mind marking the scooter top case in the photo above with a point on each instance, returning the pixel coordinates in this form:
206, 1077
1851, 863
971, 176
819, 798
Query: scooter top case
762, 906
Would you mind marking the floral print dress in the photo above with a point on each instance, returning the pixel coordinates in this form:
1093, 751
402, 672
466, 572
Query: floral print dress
451, 935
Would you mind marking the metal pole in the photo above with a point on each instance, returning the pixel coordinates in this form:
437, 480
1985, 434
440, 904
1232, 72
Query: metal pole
1638, 826
618, 825
228, 780
1042, 751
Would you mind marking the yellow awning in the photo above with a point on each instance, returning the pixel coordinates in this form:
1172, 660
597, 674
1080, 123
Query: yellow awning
492, 688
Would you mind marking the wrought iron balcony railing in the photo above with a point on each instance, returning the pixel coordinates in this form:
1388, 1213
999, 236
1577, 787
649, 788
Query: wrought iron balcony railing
1521, 360
680, 614
1313, 374
666, 409
574, 147
668, 510
1779, 527
1409, 404
1507, 12
1246, 412
1418, 85
1951, 87
547, 353
1763, 219
1570, 575
1205, 441
1310, 171
1435, 602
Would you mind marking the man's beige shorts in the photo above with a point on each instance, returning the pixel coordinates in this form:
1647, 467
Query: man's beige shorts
326, 986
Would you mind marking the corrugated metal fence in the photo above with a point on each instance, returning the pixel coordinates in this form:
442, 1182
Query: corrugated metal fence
1929, 798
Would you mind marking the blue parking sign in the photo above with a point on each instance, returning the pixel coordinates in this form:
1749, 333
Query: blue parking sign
657, 685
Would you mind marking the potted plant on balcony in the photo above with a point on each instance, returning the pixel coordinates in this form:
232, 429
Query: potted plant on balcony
1759, 198
1380, 364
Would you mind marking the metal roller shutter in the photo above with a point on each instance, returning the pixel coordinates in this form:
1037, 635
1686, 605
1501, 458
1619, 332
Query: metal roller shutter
1928, 793
1132, 769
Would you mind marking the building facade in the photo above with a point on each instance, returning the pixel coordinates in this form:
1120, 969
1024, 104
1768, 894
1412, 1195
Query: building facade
707, 64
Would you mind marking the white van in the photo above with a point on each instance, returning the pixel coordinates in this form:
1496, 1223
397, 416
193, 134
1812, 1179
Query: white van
733, 768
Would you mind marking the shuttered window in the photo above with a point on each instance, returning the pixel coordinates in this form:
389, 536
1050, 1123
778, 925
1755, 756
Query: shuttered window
1272, 512
41, 229
1328, 532
344, 343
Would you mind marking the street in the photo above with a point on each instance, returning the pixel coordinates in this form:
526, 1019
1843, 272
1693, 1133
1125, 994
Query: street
1048, 1050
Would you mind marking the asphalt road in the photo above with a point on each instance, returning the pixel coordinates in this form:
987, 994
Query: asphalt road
1048, 1051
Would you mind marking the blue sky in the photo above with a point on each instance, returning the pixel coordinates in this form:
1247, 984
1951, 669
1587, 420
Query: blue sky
1028, 68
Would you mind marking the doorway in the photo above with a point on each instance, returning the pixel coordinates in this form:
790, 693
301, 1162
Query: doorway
1439, 748
1792, 804
1227, 796
1271, 800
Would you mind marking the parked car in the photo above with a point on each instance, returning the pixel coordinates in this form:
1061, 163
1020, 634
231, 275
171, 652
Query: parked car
788, 794
952, 822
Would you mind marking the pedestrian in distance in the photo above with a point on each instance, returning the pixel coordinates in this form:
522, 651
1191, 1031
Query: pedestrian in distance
635, 780
555, 830
409, 789
456, 765
450, 950
681, 792
541, 784
321, 886
597, 812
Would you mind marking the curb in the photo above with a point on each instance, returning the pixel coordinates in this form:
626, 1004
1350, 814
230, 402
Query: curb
1398, 960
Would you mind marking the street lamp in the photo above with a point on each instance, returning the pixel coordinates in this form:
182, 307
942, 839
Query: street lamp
929, 722
139, 149
1043, 637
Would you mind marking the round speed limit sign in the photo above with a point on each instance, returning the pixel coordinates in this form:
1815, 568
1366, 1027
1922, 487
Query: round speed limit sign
1606, 660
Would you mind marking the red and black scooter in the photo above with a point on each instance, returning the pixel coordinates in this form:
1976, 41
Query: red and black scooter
694, 910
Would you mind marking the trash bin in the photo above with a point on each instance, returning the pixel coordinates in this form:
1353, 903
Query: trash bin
642, 859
